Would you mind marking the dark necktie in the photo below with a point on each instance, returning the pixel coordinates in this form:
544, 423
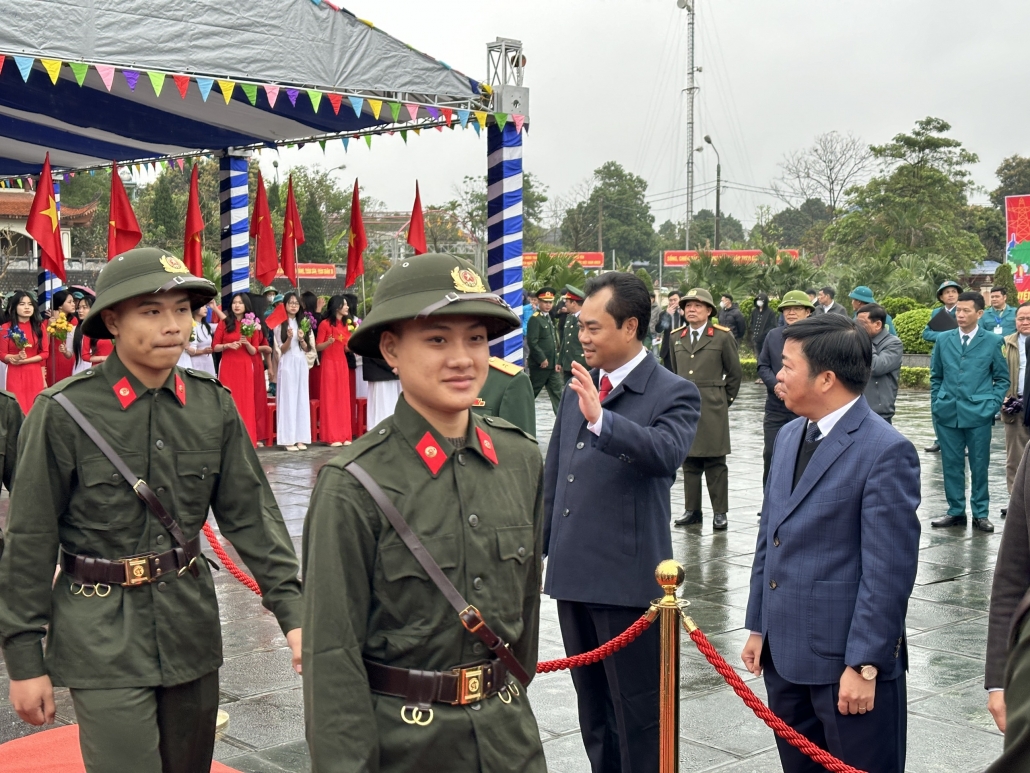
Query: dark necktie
807, 450
812, 435
965, 340
694, 336
606, 388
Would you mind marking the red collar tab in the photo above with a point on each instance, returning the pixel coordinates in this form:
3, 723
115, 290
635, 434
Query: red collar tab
180, 390
430, 452
684, 333
711, 332
487, 445
124, 392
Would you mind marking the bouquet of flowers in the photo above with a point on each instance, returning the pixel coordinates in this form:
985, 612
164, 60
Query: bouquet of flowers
18, 337
249, 325
193, 332
306, 323
352, 324
58, 327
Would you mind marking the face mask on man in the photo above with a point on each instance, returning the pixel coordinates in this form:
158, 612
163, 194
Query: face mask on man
759, 303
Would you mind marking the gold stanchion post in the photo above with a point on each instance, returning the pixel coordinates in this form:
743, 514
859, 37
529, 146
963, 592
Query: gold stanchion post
669, 575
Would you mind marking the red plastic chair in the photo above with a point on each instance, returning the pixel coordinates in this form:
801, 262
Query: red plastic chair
270, 423
314, 420
360, 424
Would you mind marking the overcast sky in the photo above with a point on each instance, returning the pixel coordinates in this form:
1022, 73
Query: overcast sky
605, 79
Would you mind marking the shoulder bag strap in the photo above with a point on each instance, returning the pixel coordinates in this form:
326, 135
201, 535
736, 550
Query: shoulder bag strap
139, 486
470, 616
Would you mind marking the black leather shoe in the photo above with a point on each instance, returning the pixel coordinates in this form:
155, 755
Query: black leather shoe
719, 521
1004, 512
983, 524
935, 448
689, 518
949, 520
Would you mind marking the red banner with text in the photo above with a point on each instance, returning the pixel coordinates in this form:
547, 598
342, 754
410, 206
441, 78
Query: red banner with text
681, 258
311, 271
585, 259
1017, 249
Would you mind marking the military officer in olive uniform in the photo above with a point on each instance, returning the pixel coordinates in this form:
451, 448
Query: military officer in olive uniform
706, 353
11, 419
393, 681
508, 393
571, 349
131, 623
542, 339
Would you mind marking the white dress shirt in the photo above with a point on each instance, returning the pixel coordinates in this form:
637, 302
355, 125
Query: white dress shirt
697, 332
829, 421
1022, 363
965, 338
616, 377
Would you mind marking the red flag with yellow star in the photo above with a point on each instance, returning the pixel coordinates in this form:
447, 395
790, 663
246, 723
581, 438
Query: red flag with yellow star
293, 235
193, 249
417, 225
356, 241
266, 261
123, 231
44, 224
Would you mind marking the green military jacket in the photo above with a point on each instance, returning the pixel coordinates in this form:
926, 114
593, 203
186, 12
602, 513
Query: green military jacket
571, 348
714, 367
188, 442
11, 419
542, 340
508, 393
479, 513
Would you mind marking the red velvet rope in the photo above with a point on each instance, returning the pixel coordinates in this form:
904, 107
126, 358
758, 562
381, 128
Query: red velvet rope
753, 702
588, 658
227, 562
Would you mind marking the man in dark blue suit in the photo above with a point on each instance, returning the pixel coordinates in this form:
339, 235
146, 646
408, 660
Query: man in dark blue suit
836, 558
620, 434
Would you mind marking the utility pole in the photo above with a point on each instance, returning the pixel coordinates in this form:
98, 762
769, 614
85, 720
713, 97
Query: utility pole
688, 6
718, 187
600, 216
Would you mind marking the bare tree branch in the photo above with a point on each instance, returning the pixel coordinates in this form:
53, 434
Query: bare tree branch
834, 163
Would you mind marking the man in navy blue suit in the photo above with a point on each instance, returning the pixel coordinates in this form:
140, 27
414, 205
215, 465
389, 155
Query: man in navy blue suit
621, 432
836, 558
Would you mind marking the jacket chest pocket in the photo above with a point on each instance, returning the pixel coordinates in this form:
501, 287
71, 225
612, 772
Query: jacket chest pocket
411, 601
106, 499
516, 550
197, 475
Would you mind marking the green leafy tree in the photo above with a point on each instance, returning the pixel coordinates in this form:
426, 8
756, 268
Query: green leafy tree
988, 223
794, 224
895, 306
1003, 278
1013, 180
702, 230
167, 218
313, 250
910, 330
553, 270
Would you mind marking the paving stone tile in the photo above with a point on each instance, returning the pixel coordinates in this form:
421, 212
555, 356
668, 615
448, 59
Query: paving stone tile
966, 638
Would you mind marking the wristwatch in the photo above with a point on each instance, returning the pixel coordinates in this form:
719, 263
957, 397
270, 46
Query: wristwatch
868, 672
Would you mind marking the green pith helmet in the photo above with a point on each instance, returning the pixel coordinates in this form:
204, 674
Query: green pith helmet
945, 285
796, 298
141, 272
431, 285
863, 294
699, 294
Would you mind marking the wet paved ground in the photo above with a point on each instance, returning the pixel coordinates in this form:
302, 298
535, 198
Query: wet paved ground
949, 728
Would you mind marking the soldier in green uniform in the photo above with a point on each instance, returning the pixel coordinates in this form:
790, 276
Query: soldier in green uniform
508, 393
542, 339
393, 680
131, 624
571, 349
11, 419
706, 353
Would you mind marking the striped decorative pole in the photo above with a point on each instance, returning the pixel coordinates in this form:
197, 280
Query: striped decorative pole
47, 283
235, 220
504, 228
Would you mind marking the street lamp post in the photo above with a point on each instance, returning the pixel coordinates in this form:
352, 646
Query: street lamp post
718, 188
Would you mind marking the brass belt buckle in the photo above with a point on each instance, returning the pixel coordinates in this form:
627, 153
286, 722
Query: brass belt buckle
137, 570
471, 685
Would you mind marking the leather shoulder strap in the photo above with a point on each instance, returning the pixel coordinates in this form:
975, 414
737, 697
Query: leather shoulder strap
139, 486
470, 616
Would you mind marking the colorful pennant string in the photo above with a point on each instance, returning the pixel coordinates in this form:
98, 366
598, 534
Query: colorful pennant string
356, 103
53, 68
316, 98
227, 88
157, 80
205, 84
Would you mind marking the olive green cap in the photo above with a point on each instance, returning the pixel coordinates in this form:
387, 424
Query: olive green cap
574, 293
431, 285
796, 298
141, 272
699, 294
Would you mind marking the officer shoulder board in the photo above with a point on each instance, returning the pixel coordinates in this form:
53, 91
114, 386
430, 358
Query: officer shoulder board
717, 326
681, 327
496, 422
362, 445
64, 383
504, 366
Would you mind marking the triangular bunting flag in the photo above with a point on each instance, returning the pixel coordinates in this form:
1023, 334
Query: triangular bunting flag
404, 136
157, 80
79, 69
106, 75
181, 163
3, 57
250, 89
227, 88
368, 140
25, 67
205, 84
518, 120
502, 119
20, 183
53, 68
271, 92
293, 94
346, 142
438, 127
335, 100
417, 131
412, 111
481, 118
475, 125
463, 117
131, 77
395, 111
321, 144
377, 107
433, 112
356, 103
448, 114
182, 83
315, 97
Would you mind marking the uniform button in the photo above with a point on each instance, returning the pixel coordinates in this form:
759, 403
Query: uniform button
382, 432
692, 356
162, 586
160, 489
571, 478
479, 648
115, 476
160, 539
461, 459
478, 583
565, 512
159, 444
690, 373
772, 584
521, 551
473, 520
776, 541
579, 444
204, 470
475, 707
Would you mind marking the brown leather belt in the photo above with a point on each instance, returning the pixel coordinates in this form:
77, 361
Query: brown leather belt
458, 687
131, 571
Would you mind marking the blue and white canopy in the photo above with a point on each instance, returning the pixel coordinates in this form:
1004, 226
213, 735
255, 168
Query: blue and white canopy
294, 70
